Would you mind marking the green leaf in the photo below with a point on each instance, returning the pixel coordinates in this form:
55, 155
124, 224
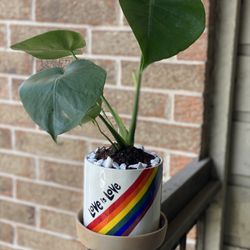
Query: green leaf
92, 113
52, 45
60, 99
163, 28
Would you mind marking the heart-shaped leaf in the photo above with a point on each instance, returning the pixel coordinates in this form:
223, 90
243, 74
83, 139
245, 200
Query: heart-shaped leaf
92, 113
53, 44
60, 99
163, 28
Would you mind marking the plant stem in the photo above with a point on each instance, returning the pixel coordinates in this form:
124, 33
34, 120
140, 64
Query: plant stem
100, 130
106, 117
138, 80
74, 55
121, 127
118, 138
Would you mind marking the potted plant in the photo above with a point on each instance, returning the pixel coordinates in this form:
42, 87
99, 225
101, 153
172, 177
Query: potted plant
122, 183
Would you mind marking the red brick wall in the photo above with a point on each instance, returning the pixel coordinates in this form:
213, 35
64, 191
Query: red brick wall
40, 182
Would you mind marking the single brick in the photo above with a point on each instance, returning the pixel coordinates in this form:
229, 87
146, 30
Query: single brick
58, 222
49, 196
65, 174
178, 162
95, 12
4, 88
114, 43
15, 84
15, 115
197, 51
5, 186
111, 69
151, 104
188, 109
22, 32
5, 138
17, 165
168, 136
167, 76
3, 41
15, 9
15, 63
6, 233
43, 145
17, 212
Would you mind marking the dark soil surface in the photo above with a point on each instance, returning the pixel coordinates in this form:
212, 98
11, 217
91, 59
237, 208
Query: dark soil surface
129, 156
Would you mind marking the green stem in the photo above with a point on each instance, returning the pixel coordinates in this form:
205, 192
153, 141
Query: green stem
74, 55
138, 80
122, 130
100, 130
118, 138
106, 117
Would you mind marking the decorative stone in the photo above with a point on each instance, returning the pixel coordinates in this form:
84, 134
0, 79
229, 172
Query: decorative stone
108, 163
116, 165
99, 163
123, 166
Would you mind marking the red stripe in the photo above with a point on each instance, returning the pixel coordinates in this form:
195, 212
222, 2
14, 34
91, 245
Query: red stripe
106, 213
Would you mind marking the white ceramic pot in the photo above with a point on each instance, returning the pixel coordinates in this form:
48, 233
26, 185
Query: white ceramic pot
122, 202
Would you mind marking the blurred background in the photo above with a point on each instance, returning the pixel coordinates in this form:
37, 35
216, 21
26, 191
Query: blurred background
41, 182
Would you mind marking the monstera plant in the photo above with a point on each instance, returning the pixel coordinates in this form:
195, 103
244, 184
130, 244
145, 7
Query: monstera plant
59, 99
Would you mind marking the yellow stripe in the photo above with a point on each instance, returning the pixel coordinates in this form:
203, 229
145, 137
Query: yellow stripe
126, 210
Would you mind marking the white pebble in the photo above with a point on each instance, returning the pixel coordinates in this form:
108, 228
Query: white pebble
91, 155
92, 160
157, 159
108, 163
140, 165
123, 166
134, 166
99, 163
116, 165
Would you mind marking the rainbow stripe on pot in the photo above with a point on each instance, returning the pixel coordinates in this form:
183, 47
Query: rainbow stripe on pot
128, 210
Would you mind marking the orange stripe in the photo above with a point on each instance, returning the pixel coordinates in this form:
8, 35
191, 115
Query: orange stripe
122, 205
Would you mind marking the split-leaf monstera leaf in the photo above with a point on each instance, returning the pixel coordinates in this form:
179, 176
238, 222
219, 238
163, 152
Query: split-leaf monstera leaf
60, 99
163, 28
